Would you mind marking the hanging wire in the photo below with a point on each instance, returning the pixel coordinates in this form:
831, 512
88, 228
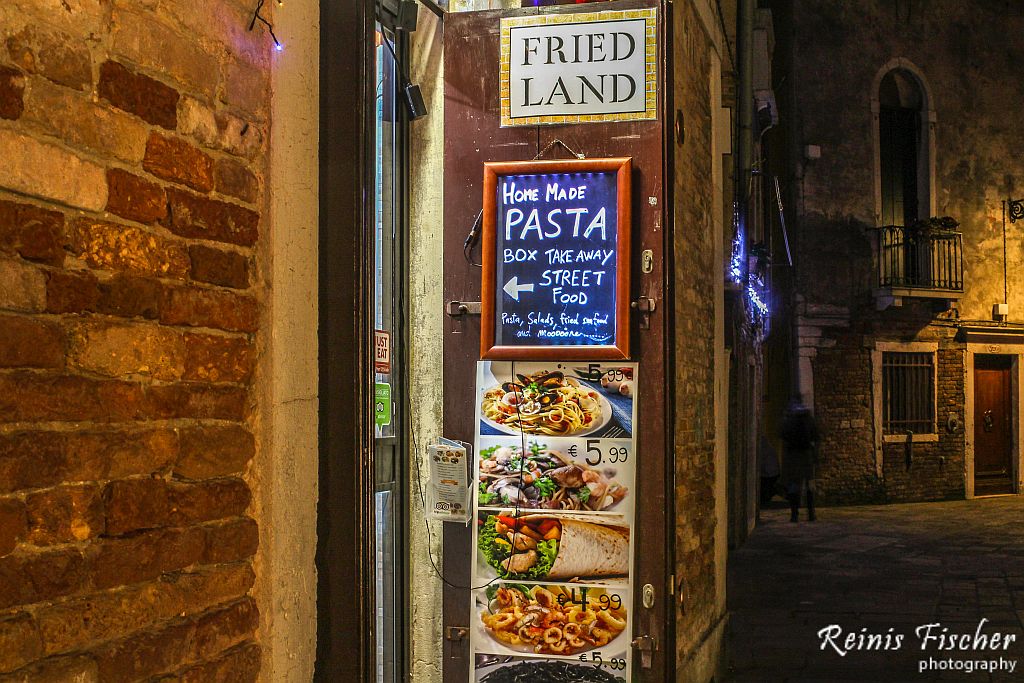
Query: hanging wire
257, 16
558, 141
423, 503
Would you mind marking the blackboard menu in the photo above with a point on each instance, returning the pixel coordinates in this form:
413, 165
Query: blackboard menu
556, 259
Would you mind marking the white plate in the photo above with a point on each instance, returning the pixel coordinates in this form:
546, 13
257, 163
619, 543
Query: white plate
601, 421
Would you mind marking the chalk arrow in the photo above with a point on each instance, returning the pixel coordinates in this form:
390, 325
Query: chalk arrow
512, 288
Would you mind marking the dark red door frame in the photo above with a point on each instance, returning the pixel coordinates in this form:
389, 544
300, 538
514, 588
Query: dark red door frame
344, 560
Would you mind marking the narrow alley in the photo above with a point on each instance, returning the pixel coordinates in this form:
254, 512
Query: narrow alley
876, 567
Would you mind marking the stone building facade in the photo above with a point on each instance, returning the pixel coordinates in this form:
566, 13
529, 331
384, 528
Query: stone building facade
866, 300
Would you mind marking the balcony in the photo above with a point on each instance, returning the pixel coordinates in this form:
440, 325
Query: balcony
918, 264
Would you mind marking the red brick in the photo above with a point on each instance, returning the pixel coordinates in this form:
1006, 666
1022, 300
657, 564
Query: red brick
70, 624
32, 233
112, 246
134, 197
225, 268
232, 541
192, 503
125, 561
208, 452
12, 93
71, 669
12, 524
112, 455
135, 93
126, 350
222, 629
134, 504
210, 358
27, 578
234, 178
30, 343
214, 308
19, 641
240, 665
34, 397
71, 292
197, 401
177, 161
145, 655
64, 514
190, 215
52, 54
130, 296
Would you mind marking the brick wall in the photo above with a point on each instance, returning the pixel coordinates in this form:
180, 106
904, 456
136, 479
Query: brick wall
695, 270
936, 470
132, 145
844, 412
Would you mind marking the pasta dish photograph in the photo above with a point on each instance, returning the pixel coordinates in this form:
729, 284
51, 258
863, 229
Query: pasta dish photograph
545, 403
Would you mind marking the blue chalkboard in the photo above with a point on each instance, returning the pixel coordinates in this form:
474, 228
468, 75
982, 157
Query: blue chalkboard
555, 244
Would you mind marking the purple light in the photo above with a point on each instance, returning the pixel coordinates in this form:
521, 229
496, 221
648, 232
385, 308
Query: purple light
278, 46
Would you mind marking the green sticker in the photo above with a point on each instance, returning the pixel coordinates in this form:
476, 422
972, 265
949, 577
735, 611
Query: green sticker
382, 403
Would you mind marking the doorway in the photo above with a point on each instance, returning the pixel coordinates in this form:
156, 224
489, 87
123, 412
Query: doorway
993, 425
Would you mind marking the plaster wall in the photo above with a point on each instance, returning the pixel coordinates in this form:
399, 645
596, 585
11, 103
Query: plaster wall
285, 474
426, 334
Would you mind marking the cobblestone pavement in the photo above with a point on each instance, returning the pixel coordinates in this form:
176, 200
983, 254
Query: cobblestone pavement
877, 568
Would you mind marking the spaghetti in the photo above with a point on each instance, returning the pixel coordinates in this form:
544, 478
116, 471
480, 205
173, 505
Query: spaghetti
542, 403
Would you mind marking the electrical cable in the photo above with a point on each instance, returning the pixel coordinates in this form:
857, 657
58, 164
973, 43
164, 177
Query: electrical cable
256, 16
423, 503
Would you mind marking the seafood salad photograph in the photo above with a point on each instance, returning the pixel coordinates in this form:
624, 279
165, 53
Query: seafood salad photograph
537, 547
544, 478
553, 620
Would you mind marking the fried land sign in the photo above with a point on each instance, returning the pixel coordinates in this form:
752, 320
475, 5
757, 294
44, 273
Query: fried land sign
579, 68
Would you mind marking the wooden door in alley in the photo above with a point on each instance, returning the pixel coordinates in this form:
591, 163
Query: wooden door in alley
473, 136
993, 425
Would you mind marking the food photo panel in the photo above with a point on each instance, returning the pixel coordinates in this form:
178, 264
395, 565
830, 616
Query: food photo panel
556, 399
555, 474
552, 621
552, 547
508, 669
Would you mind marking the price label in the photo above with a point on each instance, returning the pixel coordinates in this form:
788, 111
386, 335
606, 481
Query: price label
596, 455
606, 601
613, 663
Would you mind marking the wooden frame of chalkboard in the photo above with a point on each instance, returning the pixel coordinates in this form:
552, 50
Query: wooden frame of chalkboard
616, 346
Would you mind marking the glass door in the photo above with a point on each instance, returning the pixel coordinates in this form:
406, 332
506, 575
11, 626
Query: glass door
390, 511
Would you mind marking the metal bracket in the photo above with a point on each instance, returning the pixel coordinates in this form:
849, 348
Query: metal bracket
456, 633
646, 646
458, 308
645, 305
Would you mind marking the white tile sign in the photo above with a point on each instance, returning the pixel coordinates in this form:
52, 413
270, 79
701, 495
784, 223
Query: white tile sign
579, 68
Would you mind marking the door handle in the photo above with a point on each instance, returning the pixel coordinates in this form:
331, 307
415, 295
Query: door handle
989, 422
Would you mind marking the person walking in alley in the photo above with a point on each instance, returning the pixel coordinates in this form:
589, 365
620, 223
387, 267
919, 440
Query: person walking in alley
799, 435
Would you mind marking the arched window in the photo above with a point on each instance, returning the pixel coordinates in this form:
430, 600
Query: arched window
904, 120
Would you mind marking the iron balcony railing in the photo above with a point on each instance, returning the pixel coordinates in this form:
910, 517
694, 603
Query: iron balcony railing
920, 260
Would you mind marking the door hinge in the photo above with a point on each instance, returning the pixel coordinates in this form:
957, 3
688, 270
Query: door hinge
456, 633
458, 308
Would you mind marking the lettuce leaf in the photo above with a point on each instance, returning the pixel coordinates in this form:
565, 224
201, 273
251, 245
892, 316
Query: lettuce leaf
495, 553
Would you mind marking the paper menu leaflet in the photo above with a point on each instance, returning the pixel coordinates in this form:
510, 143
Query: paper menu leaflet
449, 481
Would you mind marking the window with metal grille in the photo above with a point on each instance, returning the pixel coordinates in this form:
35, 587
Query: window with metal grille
908, 392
